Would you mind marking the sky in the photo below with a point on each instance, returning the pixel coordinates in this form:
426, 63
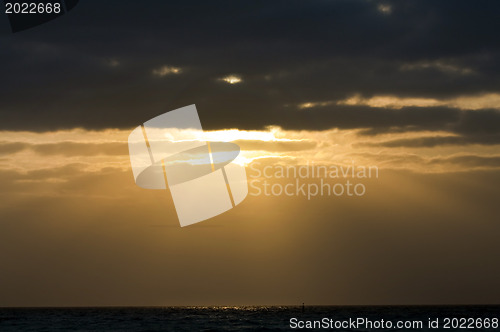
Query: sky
409, 87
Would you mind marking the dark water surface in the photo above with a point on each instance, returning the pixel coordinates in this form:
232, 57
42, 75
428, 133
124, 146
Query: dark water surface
252, 318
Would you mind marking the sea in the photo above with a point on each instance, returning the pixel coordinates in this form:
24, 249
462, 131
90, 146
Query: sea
253, 318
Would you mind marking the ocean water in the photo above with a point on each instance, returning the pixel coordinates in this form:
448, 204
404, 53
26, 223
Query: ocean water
251, 318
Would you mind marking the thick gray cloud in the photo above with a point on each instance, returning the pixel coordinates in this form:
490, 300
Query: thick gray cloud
94, 67
470, 127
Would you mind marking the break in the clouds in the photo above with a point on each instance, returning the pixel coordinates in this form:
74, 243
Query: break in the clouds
475, 102
439, 65
385, 8
232, 79
167, 70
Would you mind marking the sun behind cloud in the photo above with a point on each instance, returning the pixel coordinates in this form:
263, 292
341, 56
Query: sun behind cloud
232, 79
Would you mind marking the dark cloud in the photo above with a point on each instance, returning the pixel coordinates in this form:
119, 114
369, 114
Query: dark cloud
93, 67
428, 142
469, 161
463, 163
470, 127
